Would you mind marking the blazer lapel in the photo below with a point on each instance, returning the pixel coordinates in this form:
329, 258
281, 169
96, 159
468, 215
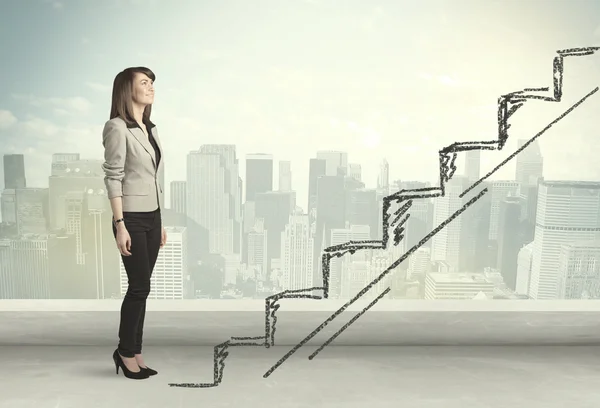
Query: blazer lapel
154, 134
141, 137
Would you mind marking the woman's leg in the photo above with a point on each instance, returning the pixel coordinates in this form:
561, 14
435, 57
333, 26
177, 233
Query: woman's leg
138, 276
153, 238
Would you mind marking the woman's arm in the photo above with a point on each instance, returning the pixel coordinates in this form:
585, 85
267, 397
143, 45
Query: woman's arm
114, 142
116, 204
115, 150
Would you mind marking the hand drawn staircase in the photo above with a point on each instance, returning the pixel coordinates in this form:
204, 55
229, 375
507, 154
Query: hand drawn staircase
508, 104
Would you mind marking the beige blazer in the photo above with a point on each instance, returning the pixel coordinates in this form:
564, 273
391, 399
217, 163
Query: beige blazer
130, 166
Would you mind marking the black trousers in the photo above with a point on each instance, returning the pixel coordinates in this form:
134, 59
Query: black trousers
145, 231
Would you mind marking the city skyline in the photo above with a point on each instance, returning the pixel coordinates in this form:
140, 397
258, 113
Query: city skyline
344, 133
334, 165
267, 245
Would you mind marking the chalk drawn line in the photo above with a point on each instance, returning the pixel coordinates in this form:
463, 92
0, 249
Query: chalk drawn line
508, 105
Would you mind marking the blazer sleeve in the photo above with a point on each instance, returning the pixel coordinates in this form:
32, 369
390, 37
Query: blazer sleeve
115, 149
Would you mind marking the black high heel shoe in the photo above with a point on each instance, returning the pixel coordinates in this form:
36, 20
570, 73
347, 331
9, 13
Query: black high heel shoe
140, 375
149, 370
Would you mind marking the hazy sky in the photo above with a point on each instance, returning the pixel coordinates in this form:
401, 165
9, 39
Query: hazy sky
394, 79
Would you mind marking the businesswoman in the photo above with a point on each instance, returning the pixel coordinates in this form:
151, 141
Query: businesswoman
133, 169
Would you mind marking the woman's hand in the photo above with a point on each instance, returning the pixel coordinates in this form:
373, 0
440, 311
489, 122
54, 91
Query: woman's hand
123, 240
163, 239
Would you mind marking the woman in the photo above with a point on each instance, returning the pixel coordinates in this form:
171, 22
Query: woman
133, 169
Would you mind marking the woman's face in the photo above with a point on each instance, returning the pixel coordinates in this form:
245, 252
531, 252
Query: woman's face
143, 89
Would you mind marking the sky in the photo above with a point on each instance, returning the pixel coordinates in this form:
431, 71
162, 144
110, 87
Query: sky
379, 79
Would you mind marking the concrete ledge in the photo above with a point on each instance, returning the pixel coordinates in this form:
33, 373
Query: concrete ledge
389, 322
301, 305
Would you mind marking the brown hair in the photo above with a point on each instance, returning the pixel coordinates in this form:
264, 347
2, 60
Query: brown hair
122, 97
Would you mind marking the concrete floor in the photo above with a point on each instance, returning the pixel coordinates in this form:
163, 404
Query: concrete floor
378, 377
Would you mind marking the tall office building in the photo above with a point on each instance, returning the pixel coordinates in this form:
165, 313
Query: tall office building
14, 171
419, 264
178, 197
445, 246
336, 162
232, 167
421, 214
66, 277
355, 171
472, 165
297, 253
524, 262
8, 206
71, 176
75, 213
510, 240
208, 202
567, 212
383, 179
31, 210
579, 270
257, 244
331, 213
341, 280
529, 171
358, 272
285, 175
528, 195
30, 267
248, 224
213, 197
530, 163
7, 279
259, 174
92, 234
500, 189
274, 208
362, 209
476, 250
60, 161
317, 168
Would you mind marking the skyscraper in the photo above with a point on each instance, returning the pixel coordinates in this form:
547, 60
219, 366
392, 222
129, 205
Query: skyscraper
14, 171
259, 174
383, 180
530, 164
274, 208
567, 211
529, 171
509, 240
362, 209
345, 281
355, 171
67, 177
330, 214
31, 210
445, 245
178, 196
524, 262
213, 200
579, 270
317, 168
472, 165
500, 189
336, 162
60, 162
297, 253
285, 175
